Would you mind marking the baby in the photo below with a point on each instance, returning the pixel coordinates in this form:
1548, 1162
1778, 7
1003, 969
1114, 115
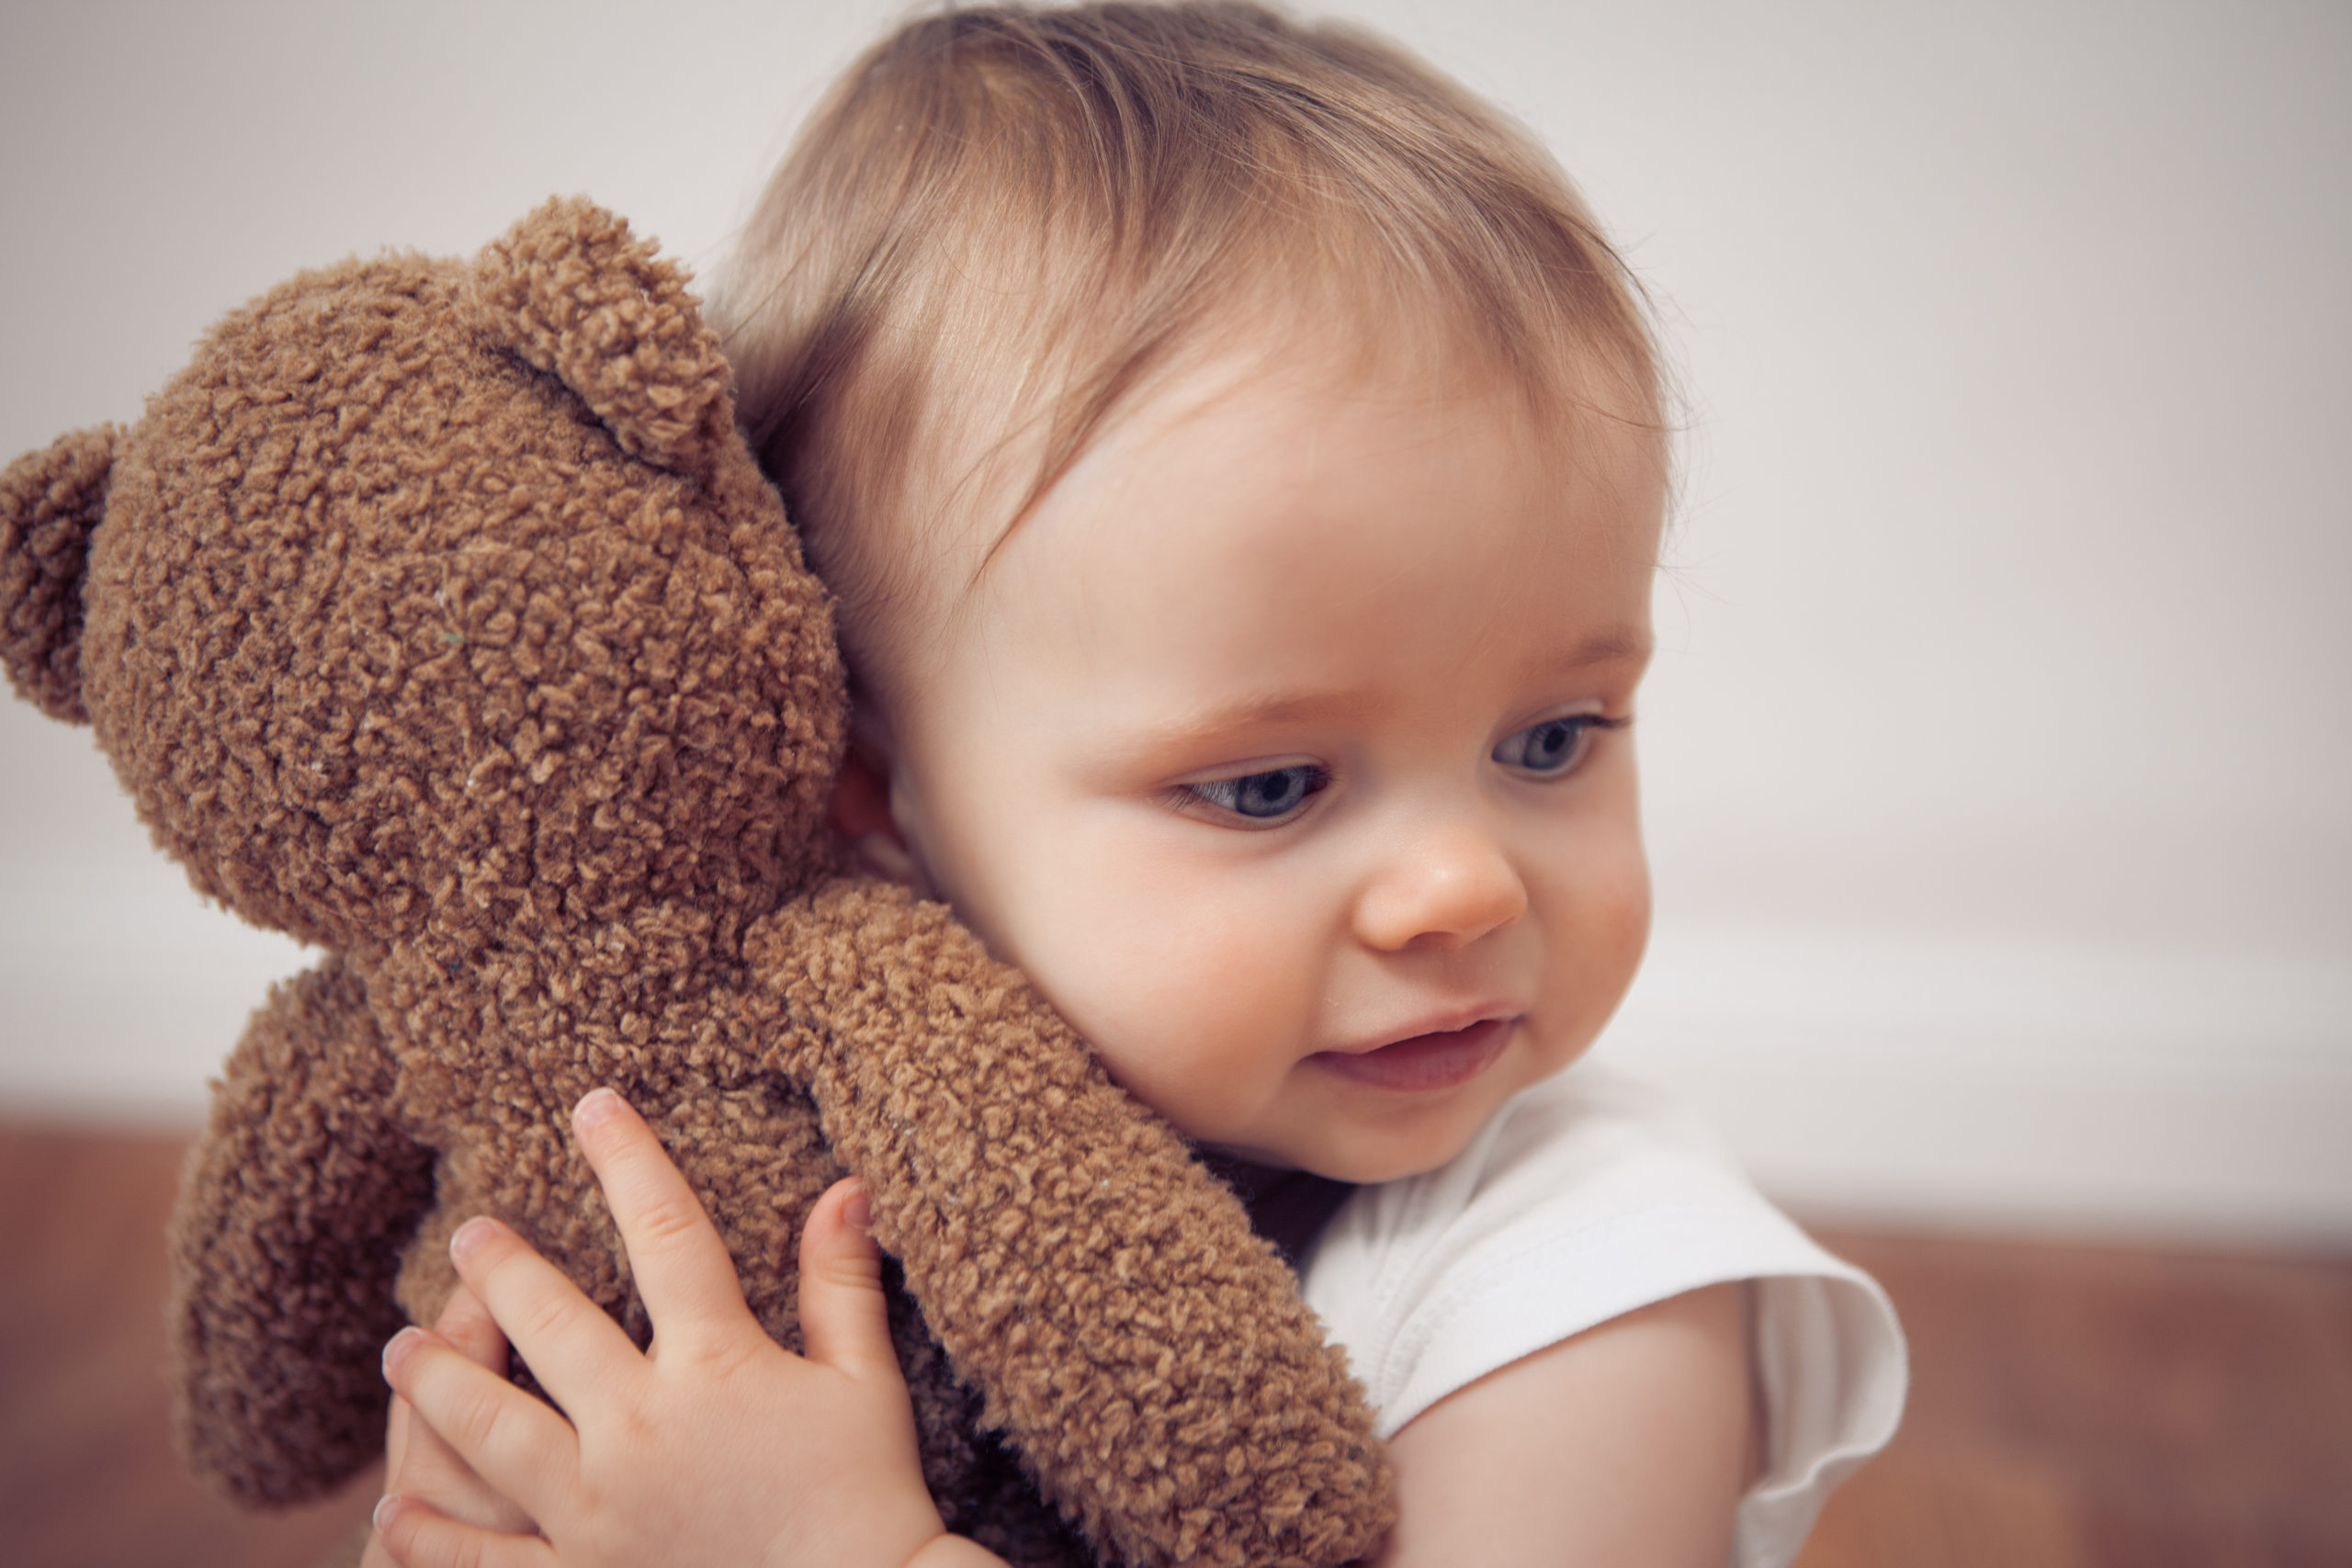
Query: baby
1240, 464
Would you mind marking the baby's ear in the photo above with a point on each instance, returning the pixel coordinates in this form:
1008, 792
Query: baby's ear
51, 502
859, 815
574, 292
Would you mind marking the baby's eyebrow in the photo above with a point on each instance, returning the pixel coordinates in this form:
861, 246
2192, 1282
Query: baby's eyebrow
1262, 711
1615, 644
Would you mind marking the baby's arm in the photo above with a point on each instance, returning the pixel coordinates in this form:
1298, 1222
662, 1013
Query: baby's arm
1628, 1446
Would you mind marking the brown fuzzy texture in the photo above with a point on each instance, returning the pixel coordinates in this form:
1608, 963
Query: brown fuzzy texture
50, 500
438, 615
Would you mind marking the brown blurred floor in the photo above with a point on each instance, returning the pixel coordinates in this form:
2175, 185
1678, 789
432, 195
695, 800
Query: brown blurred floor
88, 1478
2093, 1407
2072, 1408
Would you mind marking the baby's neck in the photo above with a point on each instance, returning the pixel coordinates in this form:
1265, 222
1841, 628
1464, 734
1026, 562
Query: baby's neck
1288, 1208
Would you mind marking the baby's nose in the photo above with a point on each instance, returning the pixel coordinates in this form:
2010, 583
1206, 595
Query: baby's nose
1445, 889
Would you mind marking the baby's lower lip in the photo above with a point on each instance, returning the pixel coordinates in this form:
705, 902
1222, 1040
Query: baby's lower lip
1425, 1061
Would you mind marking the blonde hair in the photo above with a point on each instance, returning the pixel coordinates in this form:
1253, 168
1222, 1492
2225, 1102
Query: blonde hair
1012, 218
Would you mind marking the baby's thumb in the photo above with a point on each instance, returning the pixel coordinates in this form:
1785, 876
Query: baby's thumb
845, 1322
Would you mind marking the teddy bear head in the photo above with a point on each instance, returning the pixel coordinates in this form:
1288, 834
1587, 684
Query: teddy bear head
441, 604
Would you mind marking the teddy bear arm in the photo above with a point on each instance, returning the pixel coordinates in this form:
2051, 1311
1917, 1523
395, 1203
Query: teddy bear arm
293, 1207
1146, 1355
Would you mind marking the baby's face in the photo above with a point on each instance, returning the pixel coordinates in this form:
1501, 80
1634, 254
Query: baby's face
1277, 746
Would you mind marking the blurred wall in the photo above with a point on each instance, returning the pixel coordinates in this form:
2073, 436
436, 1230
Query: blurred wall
2000, 745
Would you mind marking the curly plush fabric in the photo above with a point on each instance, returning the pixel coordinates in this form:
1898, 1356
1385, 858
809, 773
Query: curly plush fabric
1069, 1244
437, 615
50, 500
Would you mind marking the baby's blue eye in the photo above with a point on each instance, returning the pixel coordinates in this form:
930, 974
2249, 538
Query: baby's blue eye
1277, 791
1552, 747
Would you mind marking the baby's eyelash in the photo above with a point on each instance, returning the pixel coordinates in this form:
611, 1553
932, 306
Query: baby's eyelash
1263, 798
1266, 797
1554, 748
1271, 797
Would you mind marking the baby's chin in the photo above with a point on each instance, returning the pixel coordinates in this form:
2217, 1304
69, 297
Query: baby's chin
1366, 1165
1366, 1145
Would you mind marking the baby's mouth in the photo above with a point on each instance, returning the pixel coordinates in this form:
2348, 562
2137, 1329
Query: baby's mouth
1424, 1062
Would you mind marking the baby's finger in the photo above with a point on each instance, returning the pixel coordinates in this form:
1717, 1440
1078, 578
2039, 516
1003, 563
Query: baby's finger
462, 1323
579, 1355
420, 1464
680, 1266
396, 1431
466, 1322
414, 1536
843, 1318
426, 1467
523, 1449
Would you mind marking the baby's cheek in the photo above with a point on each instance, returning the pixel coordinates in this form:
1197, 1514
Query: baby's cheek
1604, 914
1625, 901
1196, 1013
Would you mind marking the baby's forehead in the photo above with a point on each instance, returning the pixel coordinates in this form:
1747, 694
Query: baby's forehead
1004, 434
1254, 385
1264, 567
1273, 469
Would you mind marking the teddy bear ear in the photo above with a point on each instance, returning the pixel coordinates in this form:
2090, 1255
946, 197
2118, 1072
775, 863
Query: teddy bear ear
51, 502
574, 293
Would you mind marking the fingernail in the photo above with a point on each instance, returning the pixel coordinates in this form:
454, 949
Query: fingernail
397, 1348
596, 1105
386, 1506
857, 1209
470, 1236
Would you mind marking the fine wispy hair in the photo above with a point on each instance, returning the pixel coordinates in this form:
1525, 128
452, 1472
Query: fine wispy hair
1003, 222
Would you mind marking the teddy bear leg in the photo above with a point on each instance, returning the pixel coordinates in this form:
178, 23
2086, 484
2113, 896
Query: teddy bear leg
286, 1233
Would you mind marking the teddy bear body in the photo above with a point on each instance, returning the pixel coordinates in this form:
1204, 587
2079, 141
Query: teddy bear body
437, 615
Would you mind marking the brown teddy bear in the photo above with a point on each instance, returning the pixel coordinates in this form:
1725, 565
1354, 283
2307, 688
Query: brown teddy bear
438, 615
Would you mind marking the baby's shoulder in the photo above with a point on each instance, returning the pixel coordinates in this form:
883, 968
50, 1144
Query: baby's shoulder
1587, 1197
1584, 1198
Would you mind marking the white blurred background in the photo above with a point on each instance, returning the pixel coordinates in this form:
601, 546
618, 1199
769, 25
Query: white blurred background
1999, 752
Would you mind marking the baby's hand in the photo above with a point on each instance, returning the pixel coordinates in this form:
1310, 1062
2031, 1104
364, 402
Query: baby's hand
418, 1464
717, 1445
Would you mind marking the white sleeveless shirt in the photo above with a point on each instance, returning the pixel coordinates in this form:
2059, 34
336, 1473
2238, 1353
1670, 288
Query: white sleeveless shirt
1582, 1198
